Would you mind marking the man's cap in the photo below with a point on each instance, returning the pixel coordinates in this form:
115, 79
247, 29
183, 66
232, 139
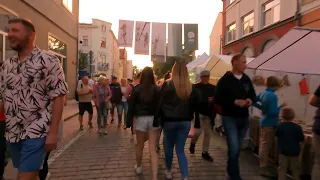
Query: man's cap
114, 77
205, 73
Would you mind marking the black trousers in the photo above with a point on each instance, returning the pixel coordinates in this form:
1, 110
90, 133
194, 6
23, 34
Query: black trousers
3, 149
44, 171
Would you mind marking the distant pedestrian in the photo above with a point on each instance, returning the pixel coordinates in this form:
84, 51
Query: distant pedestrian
145, 98
84, 91
123, 106
32, 80
290, 136
267, 102
235, 94
101, 97
206, 117
115, 99
179, 101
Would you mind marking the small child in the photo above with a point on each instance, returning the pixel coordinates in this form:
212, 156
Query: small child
290, 135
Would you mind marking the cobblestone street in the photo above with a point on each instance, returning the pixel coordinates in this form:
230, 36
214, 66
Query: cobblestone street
113, 157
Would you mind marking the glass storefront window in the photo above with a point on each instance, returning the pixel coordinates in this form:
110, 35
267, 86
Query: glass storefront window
58, 48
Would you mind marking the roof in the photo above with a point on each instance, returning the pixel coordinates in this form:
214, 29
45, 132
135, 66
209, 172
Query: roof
296, 52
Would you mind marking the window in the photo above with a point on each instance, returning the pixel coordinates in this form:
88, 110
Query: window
67, 4
271, 12
102, 59
58, 48
306, 1
103, 43
103, 28
5, 50
231, 32
248, 24
85, 41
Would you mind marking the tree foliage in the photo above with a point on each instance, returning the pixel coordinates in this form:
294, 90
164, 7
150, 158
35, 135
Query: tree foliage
134, 71
83, 60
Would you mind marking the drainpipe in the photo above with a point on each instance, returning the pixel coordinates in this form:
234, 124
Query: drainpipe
298, 14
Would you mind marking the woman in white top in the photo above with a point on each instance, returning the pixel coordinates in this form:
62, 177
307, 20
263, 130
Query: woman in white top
123, 106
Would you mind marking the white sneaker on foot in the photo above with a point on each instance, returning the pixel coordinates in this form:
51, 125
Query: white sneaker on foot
105, 132
138, 169
168, 174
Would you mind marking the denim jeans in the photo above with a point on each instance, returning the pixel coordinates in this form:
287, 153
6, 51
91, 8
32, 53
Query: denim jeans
235, 131
122, 108
102, 113
176, 134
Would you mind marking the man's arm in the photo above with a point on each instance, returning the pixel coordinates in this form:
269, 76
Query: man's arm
314, 99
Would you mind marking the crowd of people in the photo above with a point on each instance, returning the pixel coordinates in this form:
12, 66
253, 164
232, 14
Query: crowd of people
33, 90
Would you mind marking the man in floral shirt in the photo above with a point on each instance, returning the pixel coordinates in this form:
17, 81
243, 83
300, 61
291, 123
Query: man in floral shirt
32, 89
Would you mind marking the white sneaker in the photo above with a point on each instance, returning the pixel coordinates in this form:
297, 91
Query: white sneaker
105, 132
168, 174
138, 169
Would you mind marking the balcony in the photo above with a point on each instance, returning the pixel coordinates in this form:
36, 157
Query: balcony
103, 66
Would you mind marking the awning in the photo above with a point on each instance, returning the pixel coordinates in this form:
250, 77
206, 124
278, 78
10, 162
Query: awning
296, 52
197, 61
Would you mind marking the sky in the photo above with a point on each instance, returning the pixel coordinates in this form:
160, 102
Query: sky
203, 12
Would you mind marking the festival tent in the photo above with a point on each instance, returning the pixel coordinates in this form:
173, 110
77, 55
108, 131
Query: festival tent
295, 57
218, 65
194, 67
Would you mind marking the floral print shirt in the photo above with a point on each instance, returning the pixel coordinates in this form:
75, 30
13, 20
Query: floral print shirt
27, 90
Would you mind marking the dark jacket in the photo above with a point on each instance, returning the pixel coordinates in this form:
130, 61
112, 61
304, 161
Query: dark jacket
229, 88
174, 109
116, 93
143, 108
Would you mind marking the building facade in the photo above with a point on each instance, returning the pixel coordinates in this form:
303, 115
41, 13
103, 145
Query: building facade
56, 23
116, 63
250, 27
98, 38
310, 13
129, 69
123, 58
215, 36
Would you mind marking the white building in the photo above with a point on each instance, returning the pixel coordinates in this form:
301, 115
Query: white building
99, 38
129, 69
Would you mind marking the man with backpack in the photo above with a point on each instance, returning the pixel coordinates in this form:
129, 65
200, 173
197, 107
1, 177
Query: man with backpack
84, 92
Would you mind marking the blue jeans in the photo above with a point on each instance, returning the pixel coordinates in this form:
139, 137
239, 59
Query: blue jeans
122, 108
235, 131
176, 133
102, 113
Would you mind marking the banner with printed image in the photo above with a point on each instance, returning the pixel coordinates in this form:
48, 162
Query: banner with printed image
191, 37
142, 38
174, 39
158, 40
125, 33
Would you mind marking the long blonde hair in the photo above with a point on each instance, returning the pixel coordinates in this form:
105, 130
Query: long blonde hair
181, 80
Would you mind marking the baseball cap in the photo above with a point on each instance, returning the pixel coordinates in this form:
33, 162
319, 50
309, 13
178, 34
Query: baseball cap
205, 73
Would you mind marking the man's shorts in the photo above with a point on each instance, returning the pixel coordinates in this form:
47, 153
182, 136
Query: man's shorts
28, 155
85, 106
145, 123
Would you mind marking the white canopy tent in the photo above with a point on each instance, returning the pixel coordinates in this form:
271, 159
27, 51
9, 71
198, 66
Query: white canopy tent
296, 55
194, 67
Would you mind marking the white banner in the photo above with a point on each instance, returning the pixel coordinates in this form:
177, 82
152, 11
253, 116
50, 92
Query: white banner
125, 34
158, 41
142, 38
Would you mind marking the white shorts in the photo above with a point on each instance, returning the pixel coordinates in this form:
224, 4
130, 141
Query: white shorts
145, 123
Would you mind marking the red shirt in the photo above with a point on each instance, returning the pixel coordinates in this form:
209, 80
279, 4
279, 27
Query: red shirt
2, 116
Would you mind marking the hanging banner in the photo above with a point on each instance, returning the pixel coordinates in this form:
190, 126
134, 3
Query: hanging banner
125, 33
191, 37
174, 39
158, 42
142, 38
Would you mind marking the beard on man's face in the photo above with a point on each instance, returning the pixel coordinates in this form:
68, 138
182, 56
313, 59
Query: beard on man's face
18, 44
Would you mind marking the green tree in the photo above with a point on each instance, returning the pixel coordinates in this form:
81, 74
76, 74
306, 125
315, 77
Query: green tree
83, 60
134, 71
